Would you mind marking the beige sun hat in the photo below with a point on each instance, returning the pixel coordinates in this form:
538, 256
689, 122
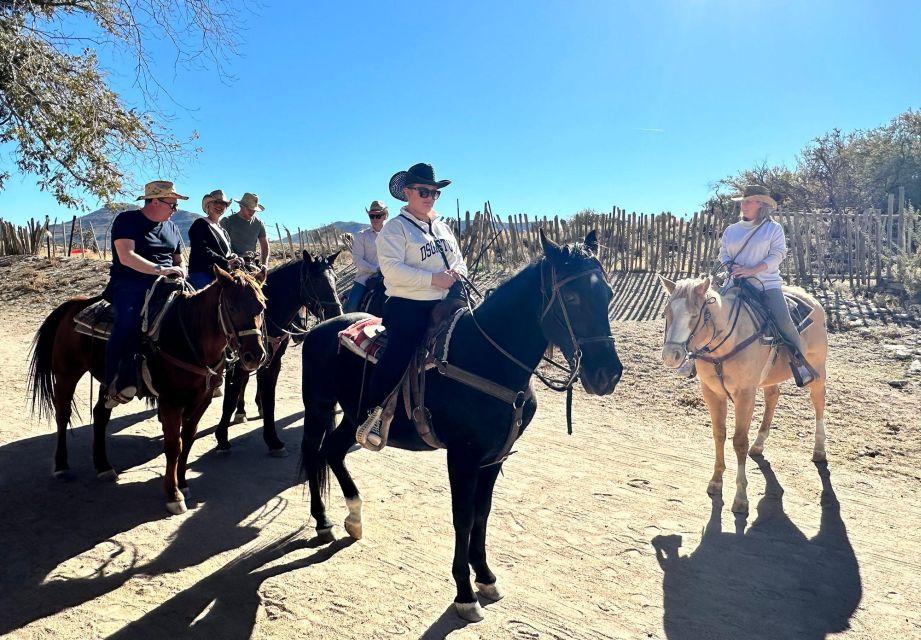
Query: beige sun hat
377, 207
758, 193
160, 189
250, 201
215, 196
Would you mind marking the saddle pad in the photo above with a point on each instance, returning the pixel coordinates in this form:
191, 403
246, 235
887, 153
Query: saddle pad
96, 320
365, 338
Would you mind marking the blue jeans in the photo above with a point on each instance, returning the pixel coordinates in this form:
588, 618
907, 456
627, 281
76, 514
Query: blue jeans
200, 279
358, 290
125, 341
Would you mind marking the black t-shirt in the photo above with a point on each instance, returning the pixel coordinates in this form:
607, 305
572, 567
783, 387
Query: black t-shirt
155, 241
208, 245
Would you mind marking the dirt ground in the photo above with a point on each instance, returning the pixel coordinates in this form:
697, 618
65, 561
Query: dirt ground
608, 533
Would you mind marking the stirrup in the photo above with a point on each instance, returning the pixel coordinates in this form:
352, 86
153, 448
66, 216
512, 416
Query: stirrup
121, 397
368, 434
803, 373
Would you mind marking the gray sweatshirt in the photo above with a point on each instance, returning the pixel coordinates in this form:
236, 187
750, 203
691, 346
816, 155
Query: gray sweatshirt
767, 245
408, 252
364, 254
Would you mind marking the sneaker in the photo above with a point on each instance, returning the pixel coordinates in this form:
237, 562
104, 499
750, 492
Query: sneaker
688, 369
368, 434
124, 396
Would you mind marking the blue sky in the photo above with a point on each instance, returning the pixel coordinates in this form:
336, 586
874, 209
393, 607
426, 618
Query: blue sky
539, 107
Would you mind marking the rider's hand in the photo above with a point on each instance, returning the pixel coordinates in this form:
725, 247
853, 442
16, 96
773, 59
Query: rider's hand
443, 280
738, 271
173, 272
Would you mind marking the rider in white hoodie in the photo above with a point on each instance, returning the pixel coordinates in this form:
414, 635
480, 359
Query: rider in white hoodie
421, 262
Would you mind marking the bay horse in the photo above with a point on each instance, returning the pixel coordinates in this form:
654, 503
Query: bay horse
561, 299
185, 367
732, 363
309, 282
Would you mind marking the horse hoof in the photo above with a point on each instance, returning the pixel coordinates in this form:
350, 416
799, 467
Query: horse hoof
740, 506
469, 611
490, 591
186, 493
281, 452
239, 418
819, 456
326, 535
177, 508
109, 475
353, 528
222, 451
61, 474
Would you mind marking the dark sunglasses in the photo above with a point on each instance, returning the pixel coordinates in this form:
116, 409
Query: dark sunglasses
376, 216
171, 205
426, 193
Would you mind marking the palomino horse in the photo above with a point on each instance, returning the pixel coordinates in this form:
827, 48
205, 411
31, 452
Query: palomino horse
732, 363
186, 366
310, 283
562, 299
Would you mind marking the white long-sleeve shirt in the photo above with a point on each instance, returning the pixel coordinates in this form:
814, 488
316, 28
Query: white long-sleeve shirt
364, 254
767, 245
408, 252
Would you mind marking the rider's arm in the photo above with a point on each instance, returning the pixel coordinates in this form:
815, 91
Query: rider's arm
359, 249
391, 254
264, 250
778, 249
725, 259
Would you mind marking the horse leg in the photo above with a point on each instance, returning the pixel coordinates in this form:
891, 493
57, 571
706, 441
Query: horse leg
817, 395
241, 395
64, 388
485, 579
266, 380
101, 416
171, 420
336, 446
189, 426
716, 404
771, 396
232, 390
744, 407
463, 470
318, 420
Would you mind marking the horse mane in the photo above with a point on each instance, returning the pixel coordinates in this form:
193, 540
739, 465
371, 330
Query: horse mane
685, 288
241, 278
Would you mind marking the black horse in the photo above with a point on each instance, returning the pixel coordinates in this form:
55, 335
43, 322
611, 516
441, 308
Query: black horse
562, 299
372, 300
310, 283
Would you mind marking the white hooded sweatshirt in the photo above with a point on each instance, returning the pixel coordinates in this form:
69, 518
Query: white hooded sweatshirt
410, 251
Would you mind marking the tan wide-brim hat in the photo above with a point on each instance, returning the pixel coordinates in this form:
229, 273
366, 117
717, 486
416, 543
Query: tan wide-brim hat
377, 207
757, 193
160, 189
250, 201
215, 196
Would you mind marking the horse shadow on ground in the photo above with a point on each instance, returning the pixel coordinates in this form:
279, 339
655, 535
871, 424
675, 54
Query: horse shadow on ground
48, 522
772, 582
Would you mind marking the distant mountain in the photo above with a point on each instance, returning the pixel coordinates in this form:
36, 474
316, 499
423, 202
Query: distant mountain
349, 227
101, 220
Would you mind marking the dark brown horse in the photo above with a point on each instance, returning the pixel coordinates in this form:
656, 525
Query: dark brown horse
185, 367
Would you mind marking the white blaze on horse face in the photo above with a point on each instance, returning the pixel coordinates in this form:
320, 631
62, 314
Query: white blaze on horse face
677, 333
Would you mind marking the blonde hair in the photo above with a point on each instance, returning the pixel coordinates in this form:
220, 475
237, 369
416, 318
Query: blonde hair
764, 212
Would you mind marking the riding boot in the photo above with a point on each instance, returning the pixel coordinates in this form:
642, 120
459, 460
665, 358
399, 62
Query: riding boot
803, 372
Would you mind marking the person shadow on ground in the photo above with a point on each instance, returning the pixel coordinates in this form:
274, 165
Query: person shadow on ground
62, 540
770, 582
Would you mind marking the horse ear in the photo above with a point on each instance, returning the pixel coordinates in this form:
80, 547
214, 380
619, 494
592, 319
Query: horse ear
331, 259
549, 246
222, 275
261, 275
307, 256
591, 241
668, 284
702, 288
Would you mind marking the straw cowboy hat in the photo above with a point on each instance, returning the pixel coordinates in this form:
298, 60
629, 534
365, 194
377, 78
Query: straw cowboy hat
377, 207
758, 193
417, 174
215, 196
160, 189
250, 201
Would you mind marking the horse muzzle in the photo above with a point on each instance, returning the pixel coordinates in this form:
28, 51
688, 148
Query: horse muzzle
252, 359
673, 355
600, 375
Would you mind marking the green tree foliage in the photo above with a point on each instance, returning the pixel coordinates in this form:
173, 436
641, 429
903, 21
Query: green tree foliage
841, 170
61, 121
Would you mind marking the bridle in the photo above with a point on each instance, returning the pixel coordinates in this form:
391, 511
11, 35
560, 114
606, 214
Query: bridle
314, 301
704, 318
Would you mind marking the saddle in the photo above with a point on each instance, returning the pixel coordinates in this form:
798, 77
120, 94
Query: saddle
800, 313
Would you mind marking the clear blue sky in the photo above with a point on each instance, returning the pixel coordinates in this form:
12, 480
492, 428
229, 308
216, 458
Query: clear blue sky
539, 107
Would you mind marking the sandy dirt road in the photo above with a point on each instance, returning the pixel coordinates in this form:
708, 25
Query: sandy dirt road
608, 533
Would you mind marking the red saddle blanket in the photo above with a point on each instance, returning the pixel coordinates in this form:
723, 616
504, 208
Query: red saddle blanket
365, 338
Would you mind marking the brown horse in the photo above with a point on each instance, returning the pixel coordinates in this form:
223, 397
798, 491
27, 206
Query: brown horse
717, 331
186, 366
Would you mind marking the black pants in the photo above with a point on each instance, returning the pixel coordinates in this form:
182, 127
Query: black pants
406, 321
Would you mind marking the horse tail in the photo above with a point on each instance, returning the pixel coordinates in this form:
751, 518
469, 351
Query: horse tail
41, 352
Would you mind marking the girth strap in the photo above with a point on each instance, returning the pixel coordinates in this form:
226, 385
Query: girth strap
208, 372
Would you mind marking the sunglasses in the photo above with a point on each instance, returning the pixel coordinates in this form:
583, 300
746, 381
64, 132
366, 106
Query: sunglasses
219, 205
376, 216
171, 205
426, 193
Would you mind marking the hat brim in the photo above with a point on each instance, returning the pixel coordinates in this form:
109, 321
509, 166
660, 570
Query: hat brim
401, 179
171, 194
258, 207
208, 199
758, 198
370, 211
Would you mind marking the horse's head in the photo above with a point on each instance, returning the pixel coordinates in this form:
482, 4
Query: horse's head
685, 317
240, 308
318, 286
575, 313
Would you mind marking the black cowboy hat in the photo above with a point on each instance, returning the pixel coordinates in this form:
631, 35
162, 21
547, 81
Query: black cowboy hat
417, 174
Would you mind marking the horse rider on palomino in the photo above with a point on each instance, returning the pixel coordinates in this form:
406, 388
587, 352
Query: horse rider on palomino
209, 242
753, 249
364, 253
146, 244
421, 262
